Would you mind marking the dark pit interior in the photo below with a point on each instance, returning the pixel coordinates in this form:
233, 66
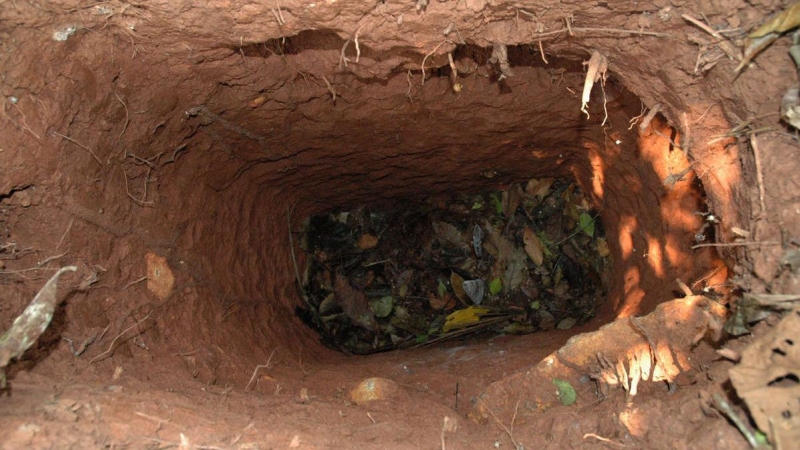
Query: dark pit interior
178, 166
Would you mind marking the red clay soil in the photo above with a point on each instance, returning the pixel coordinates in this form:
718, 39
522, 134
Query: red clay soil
159, 146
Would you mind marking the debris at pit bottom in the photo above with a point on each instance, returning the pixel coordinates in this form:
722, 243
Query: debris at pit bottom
523, 259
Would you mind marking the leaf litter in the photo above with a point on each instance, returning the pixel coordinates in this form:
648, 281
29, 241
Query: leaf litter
530, 257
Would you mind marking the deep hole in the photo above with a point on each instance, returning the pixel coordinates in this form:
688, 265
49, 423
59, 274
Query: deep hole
405, 274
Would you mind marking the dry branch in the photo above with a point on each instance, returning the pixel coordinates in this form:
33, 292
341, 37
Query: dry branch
111, 348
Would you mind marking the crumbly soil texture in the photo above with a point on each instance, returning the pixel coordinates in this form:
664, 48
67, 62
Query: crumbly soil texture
224, 175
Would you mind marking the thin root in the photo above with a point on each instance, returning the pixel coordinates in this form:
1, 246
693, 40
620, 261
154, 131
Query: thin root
111, 347
258, 367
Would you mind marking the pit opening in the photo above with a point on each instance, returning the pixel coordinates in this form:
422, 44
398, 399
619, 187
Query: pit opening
184, 194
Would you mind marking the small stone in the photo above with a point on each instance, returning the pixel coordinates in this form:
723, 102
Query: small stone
24, 198
373, 389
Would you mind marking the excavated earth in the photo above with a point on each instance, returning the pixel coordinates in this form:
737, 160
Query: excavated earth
168, 150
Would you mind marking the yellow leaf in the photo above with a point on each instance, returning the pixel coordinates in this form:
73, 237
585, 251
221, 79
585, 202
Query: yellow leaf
463, 317
533, 247
602, 248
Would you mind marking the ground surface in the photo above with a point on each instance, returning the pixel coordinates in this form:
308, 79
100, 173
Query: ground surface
159, 147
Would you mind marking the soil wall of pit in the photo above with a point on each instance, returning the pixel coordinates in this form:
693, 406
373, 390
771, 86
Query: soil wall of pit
149, 131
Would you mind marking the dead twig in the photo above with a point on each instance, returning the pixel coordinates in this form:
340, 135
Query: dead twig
134, 282
111, 348
79, 145
63, 236
725, 408
330, 89
724, 44
735, 244
355, 40
541, 51
649, 117
507, 430
25, 125
422, 66
602, 439
127, 116
571, 30
759, 173
143, 202
258, 367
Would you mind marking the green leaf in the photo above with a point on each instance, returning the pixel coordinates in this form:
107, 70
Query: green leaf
442, 289
382, 307
495, 286
477, 205
587, 223
497, 201
535, 305
566, 393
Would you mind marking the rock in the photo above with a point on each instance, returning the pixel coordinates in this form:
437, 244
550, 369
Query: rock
375, 388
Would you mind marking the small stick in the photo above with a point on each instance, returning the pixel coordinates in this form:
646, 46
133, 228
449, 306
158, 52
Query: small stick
355, 39
509, 432
51, 258
422, 67
371, 418
342, 58
649, 117
111, 347
100, 338
330, 88
127, 116
602, 439
735, 244
25, 122
722, 405
79, 145
688, 292
84, 345
408, 79
759, 173
541, 50
686, 139
280, 13
260, 366
127, 190
63, 236
724, 44
134, 282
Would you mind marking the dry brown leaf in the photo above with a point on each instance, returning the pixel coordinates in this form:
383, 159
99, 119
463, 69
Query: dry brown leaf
29, 325
539, 188
449, 234
602, 247
367, 242
533, 247
354, 304
458, 287
511, 199
436, 302
511, 264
